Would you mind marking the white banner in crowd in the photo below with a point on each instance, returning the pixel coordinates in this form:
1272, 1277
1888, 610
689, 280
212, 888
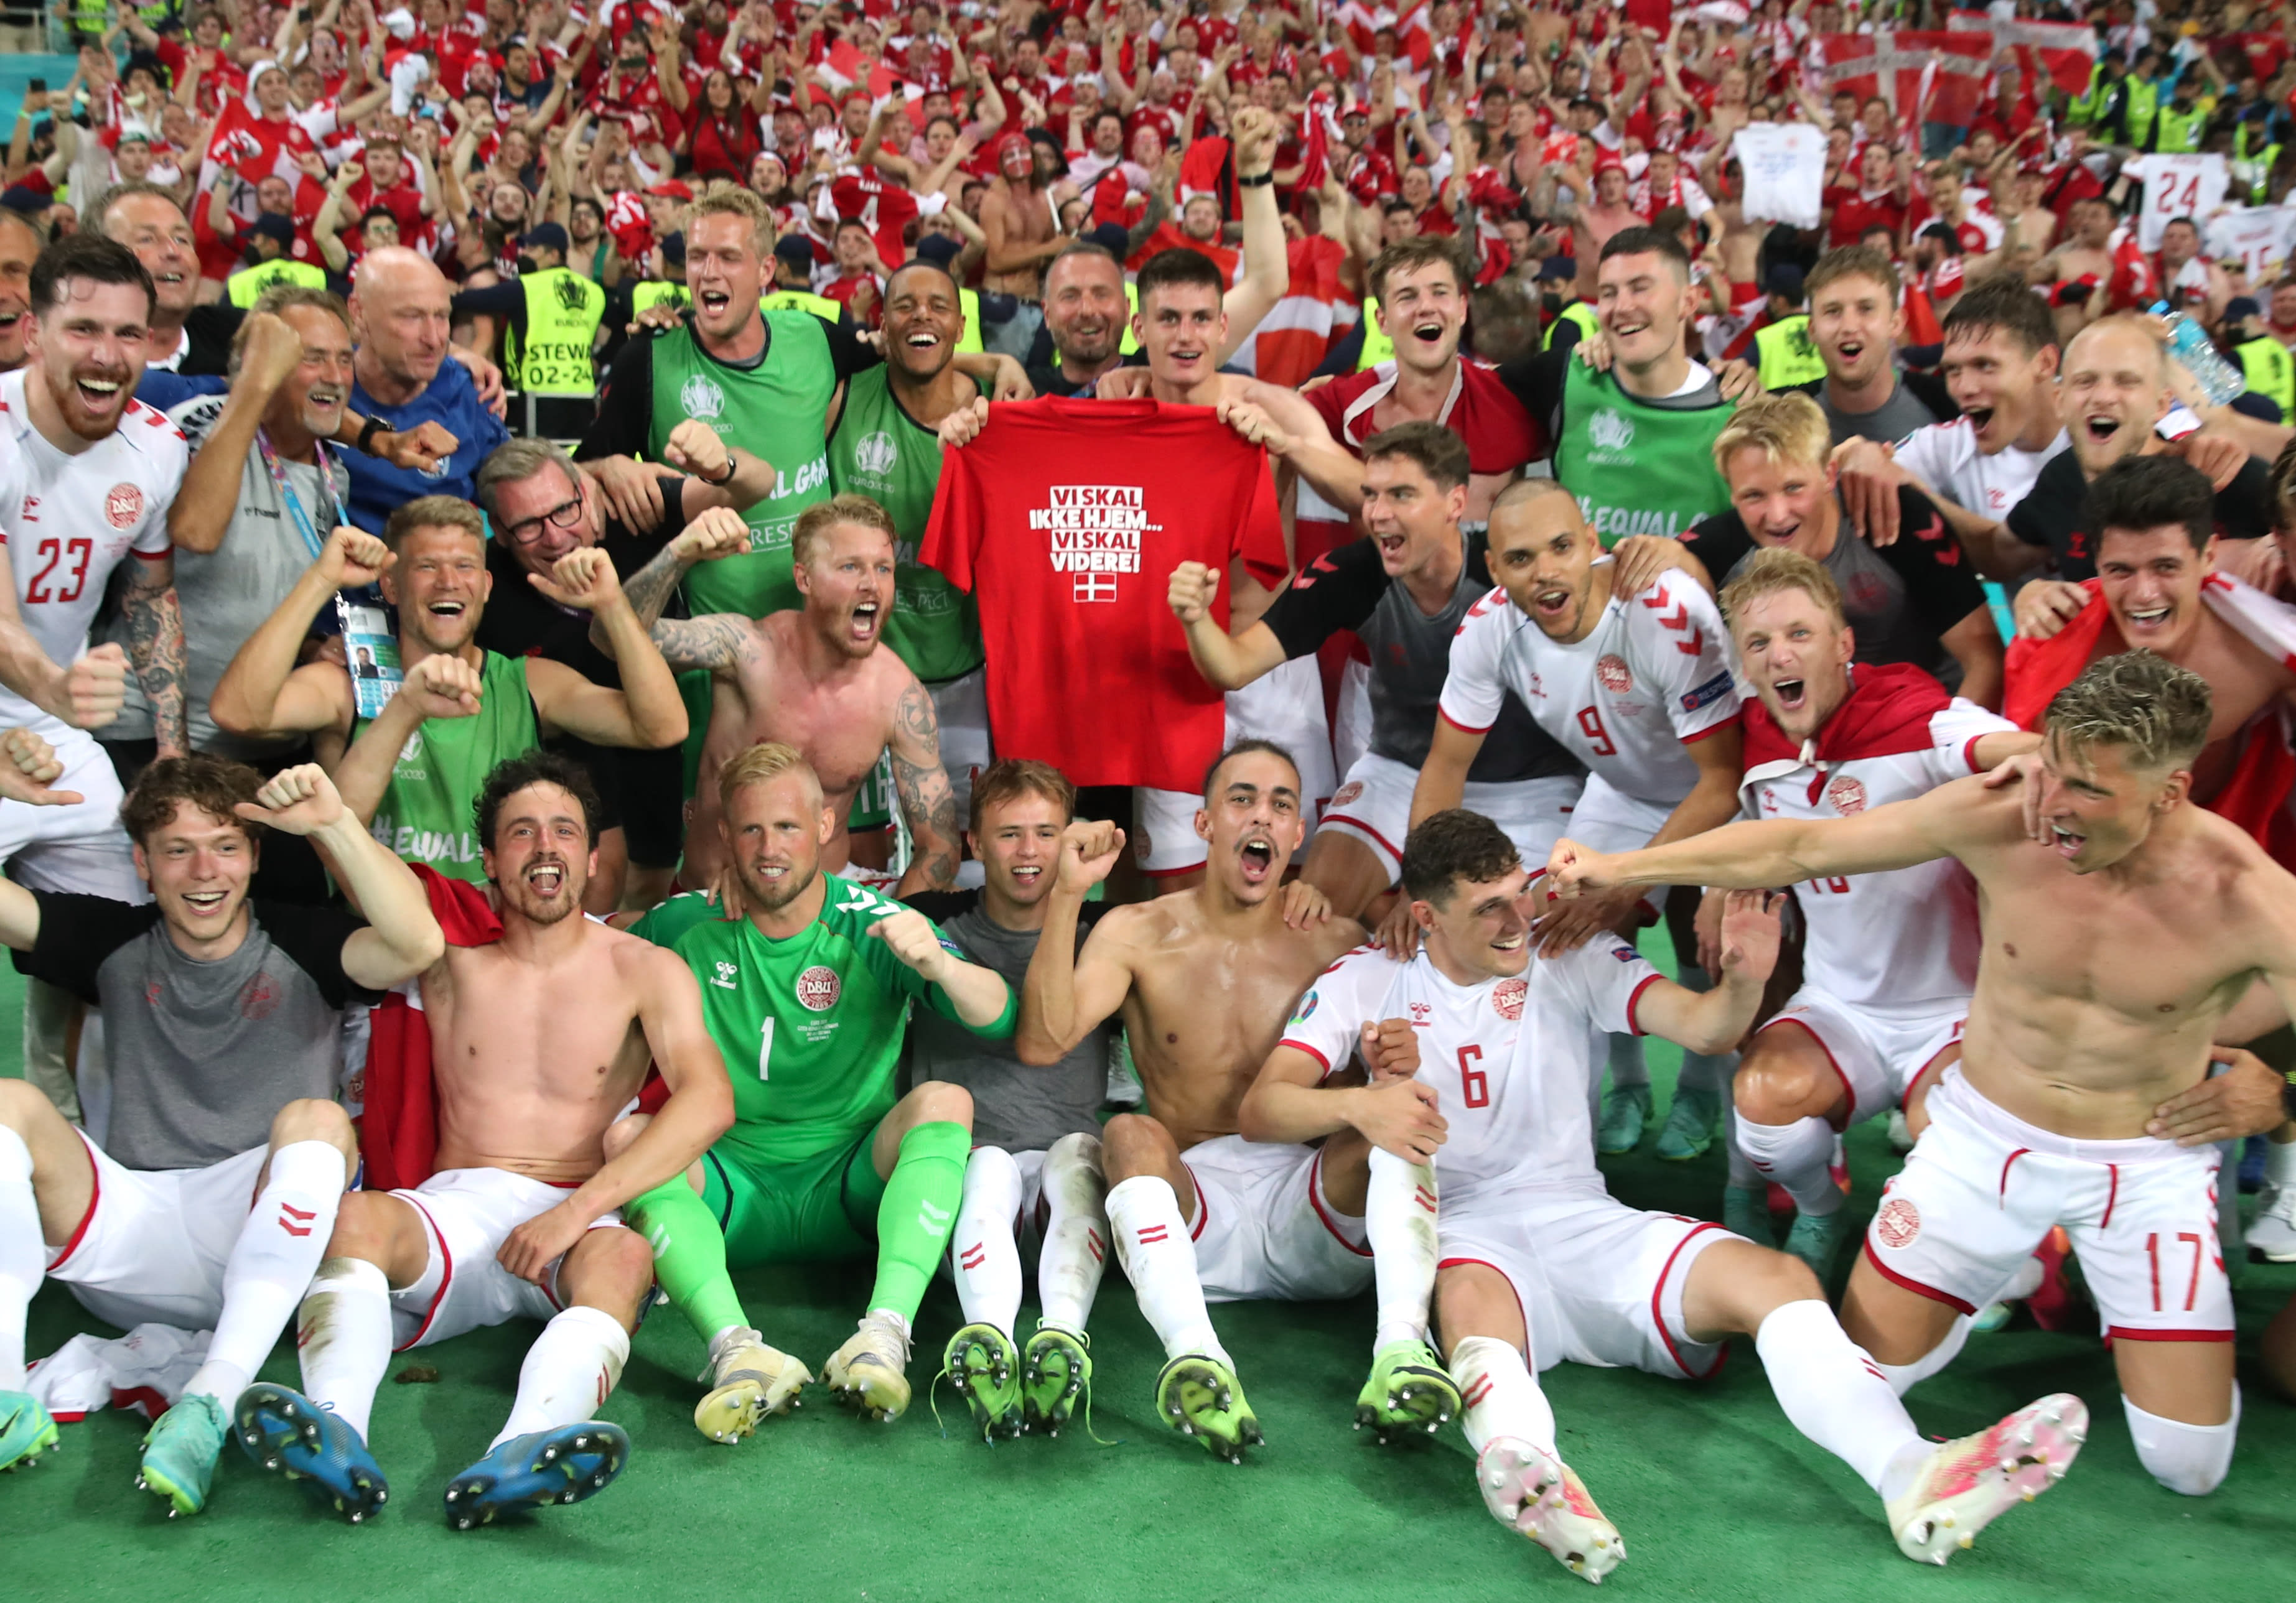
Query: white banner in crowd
2177, 186
2256, 237
1785, 163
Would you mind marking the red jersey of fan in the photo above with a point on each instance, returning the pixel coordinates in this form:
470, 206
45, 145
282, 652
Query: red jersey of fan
1065, 517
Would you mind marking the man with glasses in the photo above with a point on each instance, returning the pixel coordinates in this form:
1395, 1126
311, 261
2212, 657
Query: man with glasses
544, 508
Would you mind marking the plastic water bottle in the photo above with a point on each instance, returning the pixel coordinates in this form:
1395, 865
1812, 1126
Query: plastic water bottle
2189, 343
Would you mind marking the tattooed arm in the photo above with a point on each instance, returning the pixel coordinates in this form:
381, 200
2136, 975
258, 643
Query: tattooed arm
724, 642
714, 532
927, 802
155, 645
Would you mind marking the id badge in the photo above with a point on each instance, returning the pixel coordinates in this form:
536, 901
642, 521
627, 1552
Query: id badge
370, 652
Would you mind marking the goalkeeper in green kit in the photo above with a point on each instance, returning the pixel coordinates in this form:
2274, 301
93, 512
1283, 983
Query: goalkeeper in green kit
807, 995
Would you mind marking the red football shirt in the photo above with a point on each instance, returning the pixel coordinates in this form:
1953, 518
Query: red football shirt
1066, 519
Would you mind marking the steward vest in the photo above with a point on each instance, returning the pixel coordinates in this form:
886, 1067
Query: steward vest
1637, 468
563, 310
969, 340
2251, 170
1785, 354
2143, 100
1577, 312
802, 300
1377, 348
2180, 131
655, 292
245, 287
2271, 372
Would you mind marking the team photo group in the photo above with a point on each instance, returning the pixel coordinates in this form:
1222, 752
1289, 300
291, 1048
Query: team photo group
985, 641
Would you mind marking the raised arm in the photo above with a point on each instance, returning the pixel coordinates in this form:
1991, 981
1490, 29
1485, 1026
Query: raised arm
262, 692
982, 1000
402, 937
922, 785
1715, 1021
1773, 853
647, 713
1066, 994
1267, 270
1227, 662
202, 509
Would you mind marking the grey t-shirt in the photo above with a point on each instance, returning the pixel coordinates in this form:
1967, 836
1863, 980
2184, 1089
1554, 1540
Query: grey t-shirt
202, 1055
1015, 1106
227, 593
1890, 422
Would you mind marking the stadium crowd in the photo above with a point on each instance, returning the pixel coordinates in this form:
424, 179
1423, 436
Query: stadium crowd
645, 640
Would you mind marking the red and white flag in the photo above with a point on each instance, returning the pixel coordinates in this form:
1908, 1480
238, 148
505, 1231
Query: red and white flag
1294, 338
1925, 77
2065, 53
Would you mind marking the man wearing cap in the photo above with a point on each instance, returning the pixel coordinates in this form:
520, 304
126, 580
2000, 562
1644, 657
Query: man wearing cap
1783, 352
792, 290
550, 316
1017, 216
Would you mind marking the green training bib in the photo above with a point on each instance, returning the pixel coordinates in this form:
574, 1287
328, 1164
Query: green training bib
1637, 469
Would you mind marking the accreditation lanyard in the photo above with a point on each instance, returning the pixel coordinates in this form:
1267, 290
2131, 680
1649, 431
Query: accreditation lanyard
304, 527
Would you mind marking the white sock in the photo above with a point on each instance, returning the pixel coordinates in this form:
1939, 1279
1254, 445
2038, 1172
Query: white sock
568, 1372
982, 1250
1143, 1216
1744, 1175
1833, 1392
1628, 1068
271, 1265
23, 1255
1400, 1222
2280, 1163
343, 1330
1796, 1157
2189, 1459
1501, 1395
1904, 1377
1076, 1231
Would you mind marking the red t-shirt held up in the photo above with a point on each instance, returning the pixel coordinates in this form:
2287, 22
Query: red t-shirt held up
1066, 516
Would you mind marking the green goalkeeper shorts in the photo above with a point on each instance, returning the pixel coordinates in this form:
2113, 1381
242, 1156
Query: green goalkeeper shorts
821, 1209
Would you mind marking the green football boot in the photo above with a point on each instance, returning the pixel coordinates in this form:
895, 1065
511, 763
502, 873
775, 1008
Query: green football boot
1408, 1390
1055, 1376
983, 1367
26, 1431
1626, 1109
1690, 1124
180, 1452
1200, 1396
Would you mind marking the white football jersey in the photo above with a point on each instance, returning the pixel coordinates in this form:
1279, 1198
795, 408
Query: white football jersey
1653, 675
1508, 1059
1945, 457
1903, 941
67, 521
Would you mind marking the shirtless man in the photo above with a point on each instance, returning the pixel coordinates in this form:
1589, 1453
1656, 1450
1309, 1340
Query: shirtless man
1016, 213
1205, 978
817, 679
538, 1039
2072, 1042
1605, 214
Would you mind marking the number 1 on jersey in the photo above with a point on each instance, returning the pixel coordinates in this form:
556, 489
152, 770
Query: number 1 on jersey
1475, 1084
766, 1048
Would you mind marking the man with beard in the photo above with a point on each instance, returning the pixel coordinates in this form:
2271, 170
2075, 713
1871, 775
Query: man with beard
1088, 319
469, 707
543, 508
772, 379
87, 475
811, 982
184, 337
1205, 978
815, 680
886, 445
2116, 396
539, 1038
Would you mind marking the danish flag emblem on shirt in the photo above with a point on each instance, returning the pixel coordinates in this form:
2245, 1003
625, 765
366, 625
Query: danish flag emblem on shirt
1096, 587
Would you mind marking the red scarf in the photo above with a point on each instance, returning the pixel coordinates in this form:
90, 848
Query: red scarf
1888, 711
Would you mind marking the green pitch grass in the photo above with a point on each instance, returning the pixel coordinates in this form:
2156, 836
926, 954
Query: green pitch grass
1716, 1496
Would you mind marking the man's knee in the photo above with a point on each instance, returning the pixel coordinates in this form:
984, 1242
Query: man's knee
368, 1226
1776, 1085
939, 1102
317, 1119
1133, 1143
610, 1268
2190, 1459
622, 1133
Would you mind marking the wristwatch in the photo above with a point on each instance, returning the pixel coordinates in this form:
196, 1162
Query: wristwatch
375, 426
719, 484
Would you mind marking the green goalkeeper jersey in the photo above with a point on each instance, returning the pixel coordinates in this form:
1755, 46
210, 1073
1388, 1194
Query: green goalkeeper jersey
810, 1027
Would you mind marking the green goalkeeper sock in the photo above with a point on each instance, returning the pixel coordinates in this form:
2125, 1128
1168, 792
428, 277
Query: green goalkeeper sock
689, 1255
918, 1211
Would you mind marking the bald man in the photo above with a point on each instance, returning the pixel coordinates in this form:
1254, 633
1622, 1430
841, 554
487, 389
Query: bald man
403, 379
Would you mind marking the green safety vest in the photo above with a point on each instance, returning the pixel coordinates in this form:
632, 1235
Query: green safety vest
2081, 109
2271, 372
970, 341
2252, 170
2143, 100
773, 411
1785, 355
655, 292
425, 815
1637, 469
800, 300
1377, 348
880, 451
563, 310
1577, 312
245, 287
2181, 131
